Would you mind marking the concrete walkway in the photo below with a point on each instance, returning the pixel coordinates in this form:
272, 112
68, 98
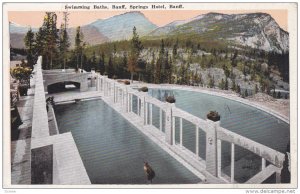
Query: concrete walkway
21, 148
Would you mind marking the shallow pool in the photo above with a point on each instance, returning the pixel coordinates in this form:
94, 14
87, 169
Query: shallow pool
113, 150
235, 116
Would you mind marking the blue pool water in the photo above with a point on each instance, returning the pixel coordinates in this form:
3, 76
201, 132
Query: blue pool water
113, 150
235, 116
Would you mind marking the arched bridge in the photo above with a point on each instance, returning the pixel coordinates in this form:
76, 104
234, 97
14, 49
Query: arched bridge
57, 75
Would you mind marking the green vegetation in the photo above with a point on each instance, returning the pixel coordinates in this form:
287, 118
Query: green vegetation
177, 59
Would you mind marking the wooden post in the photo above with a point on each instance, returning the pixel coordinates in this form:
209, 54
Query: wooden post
232, 164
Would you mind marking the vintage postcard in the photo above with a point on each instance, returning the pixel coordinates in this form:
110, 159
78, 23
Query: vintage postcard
150, 95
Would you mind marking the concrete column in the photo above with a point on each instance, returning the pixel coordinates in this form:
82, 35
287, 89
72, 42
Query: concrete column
168, 124
278, 177
146, 113
142, 109
263, 163
127, 101
211, 147
160, 119
197, 140
138, 106
151, 113
97, 83
219, 153
232, 164
181, 132
131, 102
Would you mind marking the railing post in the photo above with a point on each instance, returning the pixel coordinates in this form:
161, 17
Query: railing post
211, 147
131, 102
138, 106
181, 133
97, 82
278, 177
232, 163
151, 113
146, 113
114, 92
197, 140
160, 119
168, 123
219, 159
127, 100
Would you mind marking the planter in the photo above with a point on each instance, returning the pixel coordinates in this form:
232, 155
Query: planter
143, 89
170, 99
23, 90
213, 116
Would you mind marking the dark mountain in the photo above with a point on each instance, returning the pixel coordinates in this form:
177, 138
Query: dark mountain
120, 27
115, 28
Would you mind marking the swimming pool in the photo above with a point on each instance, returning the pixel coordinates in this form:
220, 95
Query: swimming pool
240, 118
113, 150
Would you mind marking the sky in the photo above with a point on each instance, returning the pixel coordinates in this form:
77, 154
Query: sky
160, 18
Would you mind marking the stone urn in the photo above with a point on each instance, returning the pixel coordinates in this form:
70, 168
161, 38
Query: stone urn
170, 99
213, 116
143, 89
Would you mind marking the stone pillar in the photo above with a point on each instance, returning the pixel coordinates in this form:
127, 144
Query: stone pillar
211, 147
97, 82
168, 124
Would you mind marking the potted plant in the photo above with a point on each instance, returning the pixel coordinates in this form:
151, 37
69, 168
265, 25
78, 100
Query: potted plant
143, 89
213, 116
170, 99
22, 74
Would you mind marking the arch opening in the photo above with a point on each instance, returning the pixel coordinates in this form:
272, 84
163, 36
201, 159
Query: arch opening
63, 87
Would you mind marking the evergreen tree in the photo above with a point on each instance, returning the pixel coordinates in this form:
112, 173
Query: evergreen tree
222, 84
238, 89
124, 65
101, 63
136, 48
233, 86
47, 41
160, 64
29, 44
78, 46
110, 68
226, 83
246, 93
279, 95
211, 81
175, 47
256, 90
64, 42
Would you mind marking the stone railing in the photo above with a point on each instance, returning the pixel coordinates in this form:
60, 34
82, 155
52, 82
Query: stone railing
123, 95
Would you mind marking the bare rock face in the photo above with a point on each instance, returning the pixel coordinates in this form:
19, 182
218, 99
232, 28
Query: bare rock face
255, 30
